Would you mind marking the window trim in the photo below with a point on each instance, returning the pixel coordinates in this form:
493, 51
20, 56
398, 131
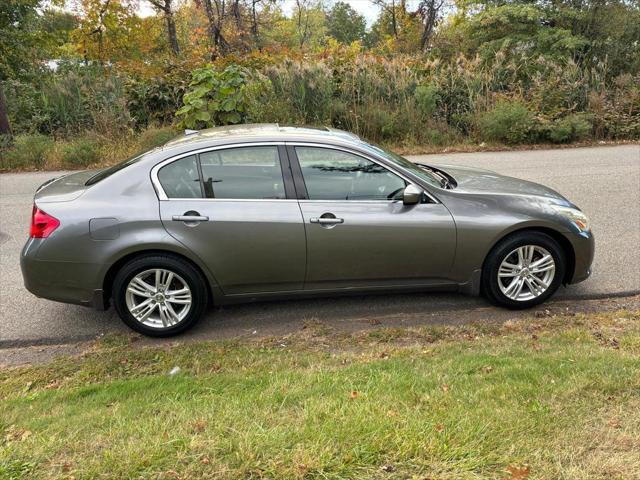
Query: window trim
284, 167
303, 195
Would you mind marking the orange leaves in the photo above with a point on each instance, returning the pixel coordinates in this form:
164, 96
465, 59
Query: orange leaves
517, 473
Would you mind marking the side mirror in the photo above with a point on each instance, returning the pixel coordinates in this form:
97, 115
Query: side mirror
412, 195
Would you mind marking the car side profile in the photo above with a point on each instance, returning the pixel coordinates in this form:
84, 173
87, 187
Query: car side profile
244, 213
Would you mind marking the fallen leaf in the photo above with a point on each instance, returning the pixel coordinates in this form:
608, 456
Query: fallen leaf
388, 468
205, 461
439, 428
517, 473
199, 425
353, 395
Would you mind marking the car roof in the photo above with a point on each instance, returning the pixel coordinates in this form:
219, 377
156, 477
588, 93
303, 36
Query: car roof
260, 132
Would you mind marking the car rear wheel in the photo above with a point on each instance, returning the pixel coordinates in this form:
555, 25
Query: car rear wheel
159, 295
523, 270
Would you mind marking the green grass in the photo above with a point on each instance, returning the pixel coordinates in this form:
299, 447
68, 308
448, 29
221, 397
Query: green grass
553, 398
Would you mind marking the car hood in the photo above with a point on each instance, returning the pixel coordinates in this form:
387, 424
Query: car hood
64, 188
485, 181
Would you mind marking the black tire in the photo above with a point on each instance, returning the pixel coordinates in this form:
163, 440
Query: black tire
193, 278
490, 286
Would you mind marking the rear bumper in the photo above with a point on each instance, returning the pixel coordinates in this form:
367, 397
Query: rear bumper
584, 249
66, 282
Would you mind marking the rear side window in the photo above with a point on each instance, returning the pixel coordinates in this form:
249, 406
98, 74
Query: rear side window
180, 179
336, 175
242, 173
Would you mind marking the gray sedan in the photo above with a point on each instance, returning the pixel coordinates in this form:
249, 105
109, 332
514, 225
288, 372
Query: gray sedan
253, 212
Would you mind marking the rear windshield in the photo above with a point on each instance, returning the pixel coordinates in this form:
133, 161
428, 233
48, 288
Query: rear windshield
107, 172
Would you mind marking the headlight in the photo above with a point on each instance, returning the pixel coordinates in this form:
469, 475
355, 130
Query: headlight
579, 219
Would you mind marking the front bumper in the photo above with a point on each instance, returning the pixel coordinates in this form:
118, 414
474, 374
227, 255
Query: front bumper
67, 282
584, 249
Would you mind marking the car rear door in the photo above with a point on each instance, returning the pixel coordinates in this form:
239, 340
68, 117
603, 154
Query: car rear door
359, 233
234, 207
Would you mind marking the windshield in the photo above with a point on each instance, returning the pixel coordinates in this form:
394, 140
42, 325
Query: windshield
107, 172
423, 174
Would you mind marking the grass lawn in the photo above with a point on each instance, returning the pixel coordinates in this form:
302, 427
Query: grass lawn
553, 398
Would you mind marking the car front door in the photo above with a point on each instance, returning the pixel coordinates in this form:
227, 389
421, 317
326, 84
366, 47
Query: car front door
236, 211
359, 233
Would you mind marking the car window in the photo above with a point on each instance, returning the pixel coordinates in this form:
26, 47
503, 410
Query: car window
336, 175
107, 172
242, 173
180, 179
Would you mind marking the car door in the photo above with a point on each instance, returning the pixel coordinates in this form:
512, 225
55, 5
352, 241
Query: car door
235, 210
359, 233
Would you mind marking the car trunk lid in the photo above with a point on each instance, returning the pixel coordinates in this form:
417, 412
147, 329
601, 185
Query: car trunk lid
64, 188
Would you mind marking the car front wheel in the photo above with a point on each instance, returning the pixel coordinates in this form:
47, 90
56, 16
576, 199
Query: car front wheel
159, 295
523, 270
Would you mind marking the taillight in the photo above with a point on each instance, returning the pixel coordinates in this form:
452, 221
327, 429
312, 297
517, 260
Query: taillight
42, 224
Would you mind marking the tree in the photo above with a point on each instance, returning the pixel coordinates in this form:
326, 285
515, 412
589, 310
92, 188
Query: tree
216, 13
429, 12
165, 7
108, 30
389, 8
345, 24
5, 126
19, 49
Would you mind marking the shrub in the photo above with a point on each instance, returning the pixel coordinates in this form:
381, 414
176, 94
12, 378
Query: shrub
509, 122
28, 151
569, 129
427, 98
80, 153
154, 137
214, 98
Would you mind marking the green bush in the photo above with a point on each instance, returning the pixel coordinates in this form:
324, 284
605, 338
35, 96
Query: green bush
569, 129
214, 98
427, 98
28, 151
81, 152
155, 136
509, 122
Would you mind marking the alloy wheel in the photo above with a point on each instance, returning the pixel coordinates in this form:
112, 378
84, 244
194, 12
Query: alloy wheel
158, 298
526, 273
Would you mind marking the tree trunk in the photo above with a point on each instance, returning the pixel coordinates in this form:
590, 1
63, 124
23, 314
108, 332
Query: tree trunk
171, 31
220, 44
394, 23
5, 126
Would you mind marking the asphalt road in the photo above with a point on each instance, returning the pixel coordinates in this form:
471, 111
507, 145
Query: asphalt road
604, 181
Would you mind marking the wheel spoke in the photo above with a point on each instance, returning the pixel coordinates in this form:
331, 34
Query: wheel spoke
144, 313
171, 313
532, 287
139, 287
542, 265
182, 296
513, 286
508, 271
540, 283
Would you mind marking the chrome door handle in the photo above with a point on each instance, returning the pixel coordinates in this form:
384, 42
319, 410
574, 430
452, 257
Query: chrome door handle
327, 221
190, 218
